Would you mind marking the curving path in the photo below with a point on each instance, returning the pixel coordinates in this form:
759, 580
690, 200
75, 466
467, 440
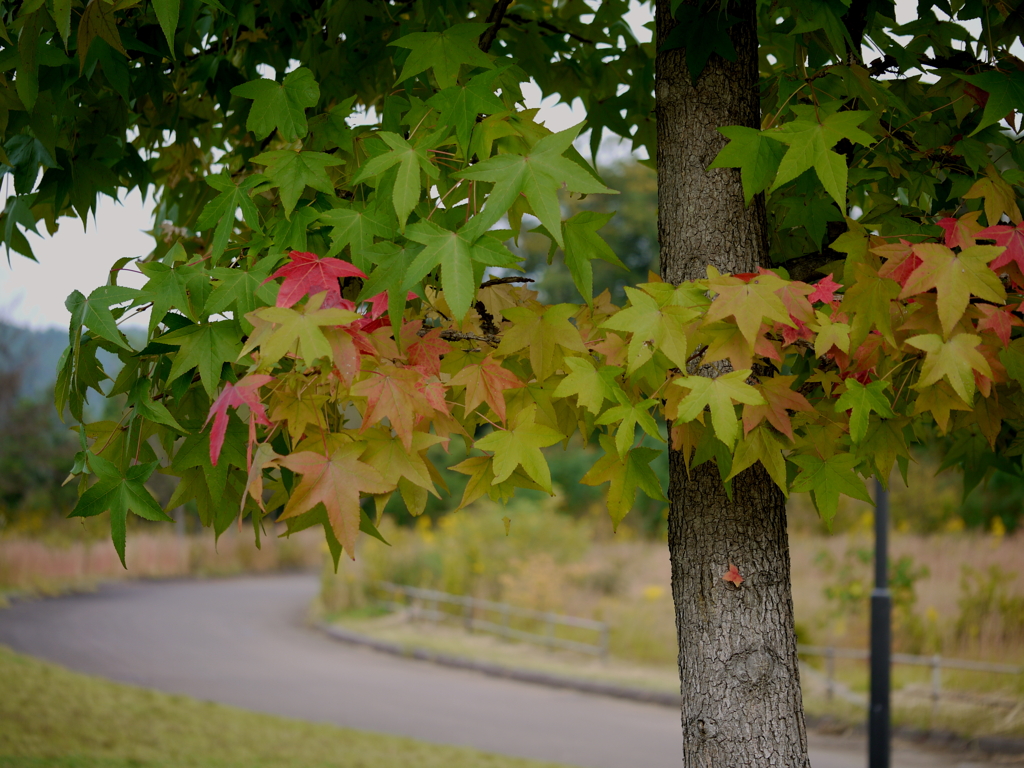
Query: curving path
243, 642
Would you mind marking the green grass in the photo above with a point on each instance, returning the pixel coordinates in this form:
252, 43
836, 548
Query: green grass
53, 718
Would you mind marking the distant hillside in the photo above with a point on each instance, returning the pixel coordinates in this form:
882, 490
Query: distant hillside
34, 353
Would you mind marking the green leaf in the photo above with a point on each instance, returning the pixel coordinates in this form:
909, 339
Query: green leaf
98, 20
582, 244
242, 290
460, 105
718, 394
294, 171
810, 141
756, 156
591, 385
183, 287
762, 445
120, 494
205, 347
280, 106
538, 175
520, 446
154, 410
62, 18
95, 314
826, 479
410, 160
628, 415
701, 31
862, 401
1005, 95
167, 14
455, 253
625, 476
220, 211
443, 52
27, 81
653, 327
356, 227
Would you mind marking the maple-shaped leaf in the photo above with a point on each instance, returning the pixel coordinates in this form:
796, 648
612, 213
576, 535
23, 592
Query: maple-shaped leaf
95, 313
538, 175
219, 214
455, 253
824, 290
299, 406
940, 400
282, 106
862, 400
120, 493
779, 398
869, 302
725, 341
751, 151
829, 334
810, 142
443, 52
395, 394
591, 385
885, 442
583, 245
653, 327
183, 287
544, 335
293, 171
204, 347
1010, 238
307, 274
336, 482
625, 475
245, 392
1005, 91
955, 278
299, 330
357, 227
962, 232
481, 481
826, 479
486, 382
732, 576
460, 105
718, 394
389, 457
999, 319
762, 445
749, 303
520, 446
410, 159
955, 361
628, 415
999, 197
426, 351
241, 290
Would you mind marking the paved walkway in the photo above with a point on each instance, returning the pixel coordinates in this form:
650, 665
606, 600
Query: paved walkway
243, 642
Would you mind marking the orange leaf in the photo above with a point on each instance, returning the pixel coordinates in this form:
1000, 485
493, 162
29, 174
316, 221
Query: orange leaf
733, 576
486, 382
395, 394
781, 399
335, 482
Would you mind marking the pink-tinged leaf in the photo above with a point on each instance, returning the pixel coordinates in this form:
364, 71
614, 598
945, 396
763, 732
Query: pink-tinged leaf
1012, 239
962, 232
999, 320
789, 335
308, 274
379, 303
245, 392
426, 352
824, 290
901, 261
733, 576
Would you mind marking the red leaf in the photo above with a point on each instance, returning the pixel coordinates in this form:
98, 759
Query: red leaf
733, 576
1011, 238
962, 232
425, 353
999, 320
234, 395
824, 290
379, 303
308, 274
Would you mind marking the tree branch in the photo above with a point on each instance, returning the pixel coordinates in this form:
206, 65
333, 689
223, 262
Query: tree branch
548, 26
506, 281
494, 18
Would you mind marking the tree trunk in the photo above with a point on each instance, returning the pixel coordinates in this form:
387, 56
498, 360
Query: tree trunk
739, 678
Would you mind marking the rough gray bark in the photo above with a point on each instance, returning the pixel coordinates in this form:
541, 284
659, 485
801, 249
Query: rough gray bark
739, 678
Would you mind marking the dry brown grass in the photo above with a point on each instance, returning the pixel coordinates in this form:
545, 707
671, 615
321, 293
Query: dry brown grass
45, 567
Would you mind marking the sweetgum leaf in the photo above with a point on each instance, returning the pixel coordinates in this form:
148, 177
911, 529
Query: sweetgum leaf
282, 106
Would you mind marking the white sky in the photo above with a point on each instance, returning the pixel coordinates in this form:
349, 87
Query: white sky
32, 293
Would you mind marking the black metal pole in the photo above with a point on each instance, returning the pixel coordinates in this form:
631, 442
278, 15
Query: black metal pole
881, 638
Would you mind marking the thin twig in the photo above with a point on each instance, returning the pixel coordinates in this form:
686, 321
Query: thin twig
494, 18
506, 281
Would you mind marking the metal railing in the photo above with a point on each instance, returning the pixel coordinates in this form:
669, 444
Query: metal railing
425, 604
936, 662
